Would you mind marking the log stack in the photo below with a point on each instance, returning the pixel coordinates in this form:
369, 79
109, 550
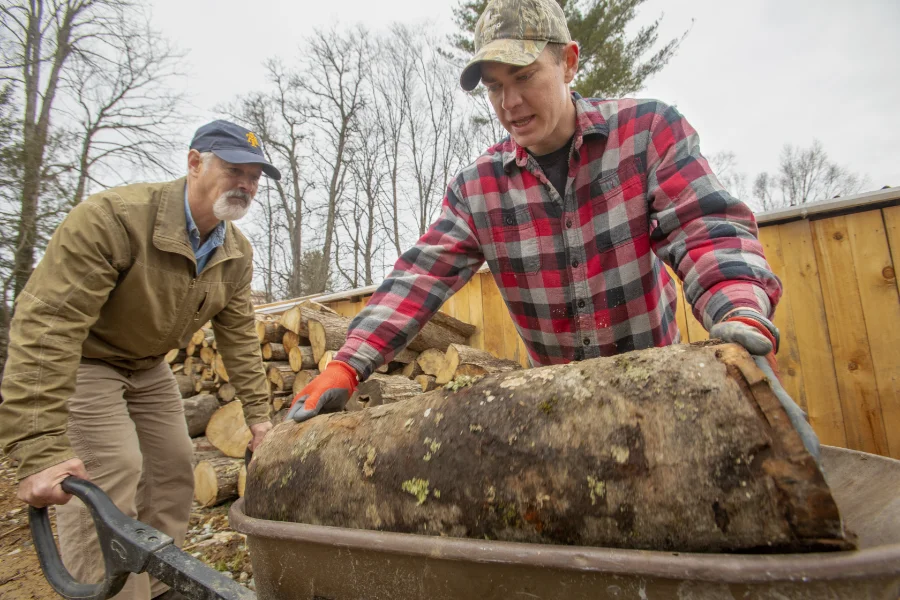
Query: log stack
295, 346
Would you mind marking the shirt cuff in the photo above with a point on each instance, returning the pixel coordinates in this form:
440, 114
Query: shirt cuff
729, 296
42, 453
360, 355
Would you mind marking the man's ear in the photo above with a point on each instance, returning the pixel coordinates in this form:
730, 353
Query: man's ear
571, 53
195, 162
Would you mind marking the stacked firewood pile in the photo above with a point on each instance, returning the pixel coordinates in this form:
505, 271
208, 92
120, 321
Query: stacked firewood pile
296, 346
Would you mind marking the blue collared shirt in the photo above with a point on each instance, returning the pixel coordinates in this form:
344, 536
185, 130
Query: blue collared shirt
202, 252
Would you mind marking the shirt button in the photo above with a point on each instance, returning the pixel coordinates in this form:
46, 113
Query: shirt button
586, 341
510, 220
568, 223
575, 264
581, 304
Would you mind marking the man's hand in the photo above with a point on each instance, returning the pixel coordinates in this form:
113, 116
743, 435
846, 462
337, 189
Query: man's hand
751, 330
44, 487
259, 431
326, 393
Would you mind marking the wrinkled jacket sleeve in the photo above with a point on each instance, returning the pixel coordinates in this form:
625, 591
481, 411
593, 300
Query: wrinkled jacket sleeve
237, 342
705, 234
53, 316
440, 263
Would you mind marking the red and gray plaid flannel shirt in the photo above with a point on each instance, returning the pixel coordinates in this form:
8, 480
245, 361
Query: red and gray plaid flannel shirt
582, 275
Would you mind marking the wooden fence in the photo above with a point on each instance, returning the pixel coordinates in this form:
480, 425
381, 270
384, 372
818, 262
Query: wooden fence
839, 316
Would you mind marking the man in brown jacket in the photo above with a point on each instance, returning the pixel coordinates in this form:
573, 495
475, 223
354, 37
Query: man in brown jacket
130, 274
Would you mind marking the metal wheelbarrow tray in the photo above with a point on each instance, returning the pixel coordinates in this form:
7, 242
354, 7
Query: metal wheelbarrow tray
293, 561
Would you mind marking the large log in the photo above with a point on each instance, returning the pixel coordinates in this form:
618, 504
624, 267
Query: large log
296, 318
462, 360
197, 412
228, 431
216, 480
682, 448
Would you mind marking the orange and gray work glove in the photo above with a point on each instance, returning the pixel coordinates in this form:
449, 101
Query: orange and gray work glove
327, 393
760, 337
750, 329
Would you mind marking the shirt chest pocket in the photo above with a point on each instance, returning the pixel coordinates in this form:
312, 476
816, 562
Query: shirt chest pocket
515, 240
619, 207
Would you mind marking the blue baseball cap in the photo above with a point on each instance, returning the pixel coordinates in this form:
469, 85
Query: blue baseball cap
232, 143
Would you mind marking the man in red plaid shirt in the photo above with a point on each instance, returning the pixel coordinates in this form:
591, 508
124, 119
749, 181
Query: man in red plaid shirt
575, 213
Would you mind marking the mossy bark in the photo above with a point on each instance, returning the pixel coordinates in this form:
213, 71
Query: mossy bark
682, 448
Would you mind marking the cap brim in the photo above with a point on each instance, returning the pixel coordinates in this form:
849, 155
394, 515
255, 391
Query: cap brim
517, 53
242, 157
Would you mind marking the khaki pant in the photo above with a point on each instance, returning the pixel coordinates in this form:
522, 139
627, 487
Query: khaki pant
129, 429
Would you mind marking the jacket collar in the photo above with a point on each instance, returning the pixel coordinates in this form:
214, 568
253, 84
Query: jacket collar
588, 121
170, 229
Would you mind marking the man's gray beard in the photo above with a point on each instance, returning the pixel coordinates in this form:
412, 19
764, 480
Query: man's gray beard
226, 209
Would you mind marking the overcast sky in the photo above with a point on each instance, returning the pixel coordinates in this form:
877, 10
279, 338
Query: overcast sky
751, 76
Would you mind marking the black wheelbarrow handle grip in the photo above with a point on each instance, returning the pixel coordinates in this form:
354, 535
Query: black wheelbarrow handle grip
128, 546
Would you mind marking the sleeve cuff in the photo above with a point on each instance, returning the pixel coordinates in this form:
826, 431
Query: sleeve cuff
718, 302
42, 453
363, 358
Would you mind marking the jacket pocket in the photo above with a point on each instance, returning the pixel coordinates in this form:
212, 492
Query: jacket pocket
619, 207
515, 240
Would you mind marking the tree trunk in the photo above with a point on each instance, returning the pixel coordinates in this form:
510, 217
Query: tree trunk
462, 360
216, 480
301, 358
273, 351
682, 448
197, 412
227, 430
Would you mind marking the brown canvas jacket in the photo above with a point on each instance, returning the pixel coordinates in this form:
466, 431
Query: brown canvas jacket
118, 283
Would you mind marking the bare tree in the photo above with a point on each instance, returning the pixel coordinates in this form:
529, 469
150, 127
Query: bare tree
279, 117
435, 125
124, 110
392, 82
334, 81
805, 175
42, 38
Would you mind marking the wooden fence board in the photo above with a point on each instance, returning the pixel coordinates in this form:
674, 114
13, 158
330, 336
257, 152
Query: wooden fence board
881, 309
892, 226
847, 330
788, 356
801, 278
476, 309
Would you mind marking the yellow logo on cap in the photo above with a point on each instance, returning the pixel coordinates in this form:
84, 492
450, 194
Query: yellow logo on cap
252, 139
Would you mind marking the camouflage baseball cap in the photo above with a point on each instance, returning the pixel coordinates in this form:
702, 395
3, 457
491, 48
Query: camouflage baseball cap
514, 32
